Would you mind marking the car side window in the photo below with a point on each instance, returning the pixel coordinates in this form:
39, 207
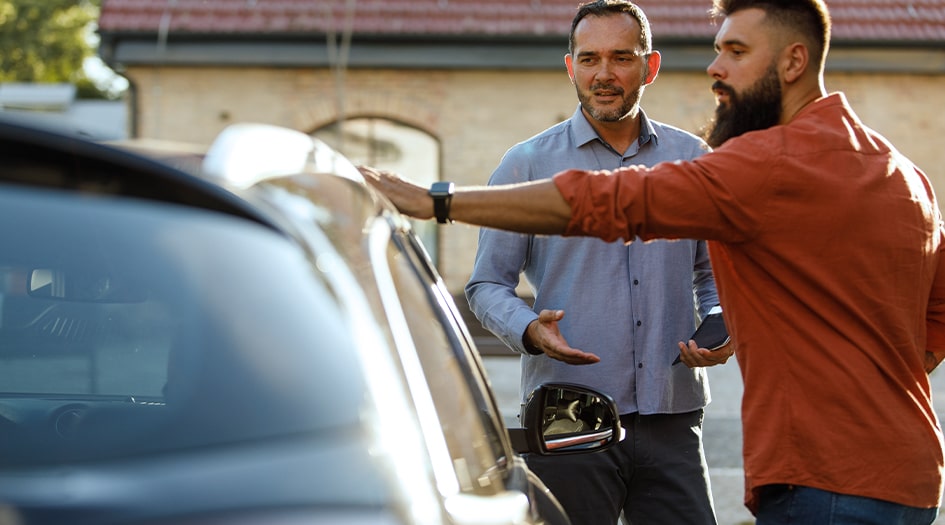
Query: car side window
467, 422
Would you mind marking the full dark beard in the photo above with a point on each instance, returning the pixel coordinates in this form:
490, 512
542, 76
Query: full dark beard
759, 107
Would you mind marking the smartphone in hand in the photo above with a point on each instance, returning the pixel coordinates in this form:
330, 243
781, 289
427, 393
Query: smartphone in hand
711, 334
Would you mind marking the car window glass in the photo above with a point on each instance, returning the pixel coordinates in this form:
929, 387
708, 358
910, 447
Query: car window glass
468, 429
131, 327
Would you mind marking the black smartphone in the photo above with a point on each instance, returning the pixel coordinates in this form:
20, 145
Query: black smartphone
711, 334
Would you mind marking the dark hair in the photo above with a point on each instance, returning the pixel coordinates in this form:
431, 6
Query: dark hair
810, 18
611, 7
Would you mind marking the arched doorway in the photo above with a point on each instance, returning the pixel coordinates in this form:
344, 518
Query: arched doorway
390, 145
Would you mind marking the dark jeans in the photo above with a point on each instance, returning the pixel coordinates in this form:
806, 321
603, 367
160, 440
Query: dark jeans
657, 475
796, 505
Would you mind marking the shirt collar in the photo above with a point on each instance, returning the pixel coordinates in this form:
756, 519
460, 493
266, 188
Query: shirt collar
584, 132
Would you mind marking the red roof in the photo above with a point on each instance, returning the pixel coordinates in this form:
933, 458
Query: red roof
854, 20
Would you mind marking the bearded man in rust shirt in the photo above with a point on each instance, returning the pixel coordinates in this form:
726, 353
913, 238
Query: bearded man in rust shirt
826, 244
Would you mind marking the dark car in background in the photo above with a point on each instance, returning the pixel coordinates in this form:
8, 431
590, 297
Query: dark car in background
261, 339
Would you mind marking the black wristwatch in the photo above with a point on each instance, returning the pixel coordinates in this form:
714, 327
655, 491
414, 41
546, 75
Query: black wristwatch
442, 193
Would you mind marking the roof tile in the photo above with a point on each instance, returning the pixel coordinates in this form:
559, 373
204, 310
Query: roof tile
870, 20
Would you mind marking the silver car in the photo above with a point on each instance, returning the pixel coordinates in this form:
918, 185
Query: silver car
265, 341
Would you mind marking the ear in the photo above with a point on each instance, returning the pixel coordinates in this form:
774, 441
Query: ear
653, 61
794, 61
568, 62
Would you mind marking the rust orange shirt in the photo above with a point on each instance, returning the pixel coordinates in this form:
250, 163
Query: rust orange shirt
827, 247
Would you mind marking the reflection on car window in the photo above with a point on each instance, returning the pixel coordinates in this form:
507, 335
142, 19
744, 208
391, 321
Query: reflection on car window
59, 347
469, 433
131, 327
339, 206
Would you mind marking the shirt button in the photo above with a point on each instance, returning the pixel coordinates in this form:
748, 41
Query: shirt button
639, 323
640, 365
636, 281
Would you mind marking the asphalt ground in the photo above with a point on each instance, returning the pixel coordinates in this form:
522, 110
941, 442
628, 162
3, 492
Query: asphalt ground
721, 429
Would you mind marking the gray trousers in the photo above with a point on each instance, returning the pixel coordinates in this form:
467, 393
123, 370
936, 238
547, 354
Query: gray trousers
656, 476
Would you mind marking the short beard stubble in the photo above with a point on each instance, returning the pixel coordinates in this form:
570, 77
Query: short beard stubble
629, 105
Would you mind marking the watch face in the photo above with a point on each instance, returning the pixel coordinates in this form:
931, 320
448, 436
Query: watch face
442, 193
441, 189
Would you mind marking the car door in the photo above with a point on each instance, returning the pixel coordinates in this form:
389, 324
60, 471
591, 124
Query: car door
467, 410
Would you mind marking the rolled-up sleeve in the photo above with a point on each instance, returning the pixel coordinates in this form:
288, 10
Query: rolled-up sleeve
595, 208
699, 199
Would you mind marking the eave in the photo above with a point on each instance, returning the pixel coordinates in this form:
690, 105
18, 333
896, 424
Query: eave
135, 49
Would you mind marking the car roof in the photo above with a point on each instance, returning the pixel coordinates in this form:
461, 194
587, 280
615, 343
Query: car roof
76, 160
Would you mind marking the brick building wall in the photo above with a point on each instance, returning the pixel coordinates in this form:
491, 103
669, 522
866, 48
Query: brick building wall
477, 115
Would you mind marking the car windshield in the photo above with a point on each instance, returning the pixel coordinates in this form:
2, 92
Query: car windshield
131, 327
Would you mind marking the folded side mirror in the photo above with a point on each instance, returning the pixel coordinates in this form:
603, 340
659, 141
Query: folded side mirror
564, 418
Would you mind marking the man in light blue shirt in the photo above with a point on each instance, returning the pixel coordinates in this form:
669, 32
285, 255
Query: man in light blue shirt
608, 315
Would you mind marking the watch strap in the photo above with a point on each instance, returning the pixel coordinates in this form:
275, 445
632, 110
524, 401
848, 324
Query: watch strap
442, 193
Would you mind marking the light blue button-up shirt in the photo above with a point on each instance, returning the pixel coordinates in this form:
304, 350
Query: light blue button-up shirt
628, 303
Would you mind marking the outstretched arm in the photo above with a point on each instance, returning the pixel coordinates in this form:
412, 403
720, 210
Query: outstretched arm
531, 207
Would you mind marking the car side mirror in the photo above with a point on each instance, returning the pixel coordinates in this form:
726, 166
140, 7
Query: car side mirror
564, 418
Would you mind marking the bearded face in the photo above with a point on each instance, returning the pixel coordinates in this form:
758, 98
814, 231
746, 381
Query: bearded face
758, 107
625, 103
